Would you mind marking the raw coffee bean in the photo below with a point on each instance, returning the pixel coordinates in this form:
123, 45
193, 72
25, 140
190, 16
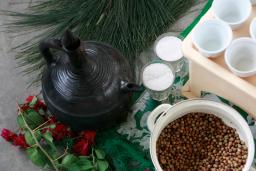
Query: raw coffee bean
200, 142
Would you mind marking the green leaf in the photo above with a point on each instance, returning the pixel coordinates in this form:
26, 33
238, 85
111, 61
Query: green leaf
20, 121
41, 112
48, 136
29, 138
33, 119
100, 154
85, 157
38, 135
102, 165
84, 164
49, 140
66, 143
74, 167
33, 102
52, 126
87, 166
68, 159
37, 157
51, 151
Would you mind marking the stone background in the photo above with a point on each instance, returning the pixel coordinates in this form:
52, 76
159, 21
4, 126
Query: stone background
13, 85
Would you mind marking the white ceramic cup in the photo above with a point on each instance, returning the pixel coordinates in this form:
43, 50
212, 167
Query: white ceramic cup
253, 29
233, 12
170, 113
212, 37
240, 57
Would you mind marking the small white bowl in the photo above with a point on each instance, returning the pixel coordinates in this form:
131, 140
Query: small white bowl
240, 57
212, 37
233, 12
253, 29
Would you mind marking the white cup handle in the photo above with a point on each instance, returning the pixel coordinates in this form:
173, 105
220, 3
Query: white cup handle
155, 114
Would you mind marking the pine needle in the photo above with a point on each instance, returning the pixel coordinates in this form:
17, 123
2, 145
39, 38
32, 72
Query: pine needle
129, 25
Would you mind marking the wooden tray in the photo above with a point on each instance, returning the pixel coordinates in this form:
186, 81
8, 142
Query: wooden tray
212, 74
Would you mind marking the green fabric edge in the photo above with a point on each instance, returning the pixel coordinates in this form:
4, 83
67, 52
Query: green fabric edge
187, 30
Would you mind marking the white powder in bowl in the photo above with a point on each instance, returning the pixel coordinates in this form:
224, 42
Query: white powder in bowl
157, 76
169, 48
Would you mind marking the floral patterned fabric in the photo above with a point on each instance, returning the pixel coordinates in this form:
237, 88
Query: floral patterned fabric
135, 129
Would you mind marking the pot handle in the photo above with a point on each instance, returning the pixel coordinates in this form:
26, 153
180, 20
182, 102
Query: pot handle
45, 46
158, 112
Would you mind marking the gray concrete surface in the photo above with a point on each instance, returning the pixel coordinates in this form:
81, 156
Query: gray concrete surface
13, 85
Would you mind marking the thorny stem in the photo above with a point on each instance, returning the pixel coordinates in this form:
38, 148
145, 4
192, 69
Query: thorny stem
35, 145
65, 152
93, 158
38, 144
40, 125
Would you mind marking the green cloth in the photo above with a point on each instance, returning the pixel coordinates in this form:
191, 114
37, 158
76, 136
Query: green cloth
127, 145
187, 30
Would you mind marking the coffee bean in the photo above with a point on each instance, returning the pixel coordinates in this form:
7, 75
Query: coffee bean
199, 141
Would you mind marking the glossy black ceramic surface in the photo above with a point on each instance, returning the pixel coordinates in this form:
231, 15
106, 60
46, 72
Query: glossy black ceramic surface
87, 84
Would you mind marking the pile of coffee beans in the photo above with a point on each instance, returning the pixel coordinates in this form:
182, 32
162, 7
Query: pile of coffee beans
200, 142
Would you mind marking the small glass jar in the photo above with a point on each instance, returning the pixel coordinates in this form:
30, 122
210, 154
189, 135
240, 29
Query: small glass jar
169, 49
158, 77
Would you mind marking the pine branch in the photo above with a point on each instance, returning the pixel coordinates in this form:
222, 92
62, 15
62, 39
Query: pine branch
129, 25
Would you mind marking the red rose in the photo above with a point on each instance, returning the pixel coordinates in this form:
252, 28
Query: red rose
81, 147
20, 141
60, 131
52, 120
25, 107
8, 135
29, 99
90, 136
40, 105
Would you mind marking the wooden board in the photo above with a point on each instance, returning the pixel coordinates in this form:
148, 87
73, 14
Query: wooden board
213, 75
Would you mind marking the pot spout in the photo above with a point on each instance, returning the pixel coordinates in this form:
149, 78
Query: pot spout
130, 87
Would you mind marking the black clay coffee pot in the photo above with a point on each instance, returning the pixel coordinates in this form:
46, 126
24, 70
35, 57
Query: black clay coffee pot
86, 84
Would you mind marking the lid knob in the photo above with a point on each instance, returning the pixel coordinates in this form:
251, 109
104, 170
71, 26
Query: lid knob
69, 41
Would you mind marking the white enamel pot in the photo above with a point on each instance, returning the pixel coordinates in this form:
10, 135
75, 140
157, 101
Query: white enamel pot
165, 114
